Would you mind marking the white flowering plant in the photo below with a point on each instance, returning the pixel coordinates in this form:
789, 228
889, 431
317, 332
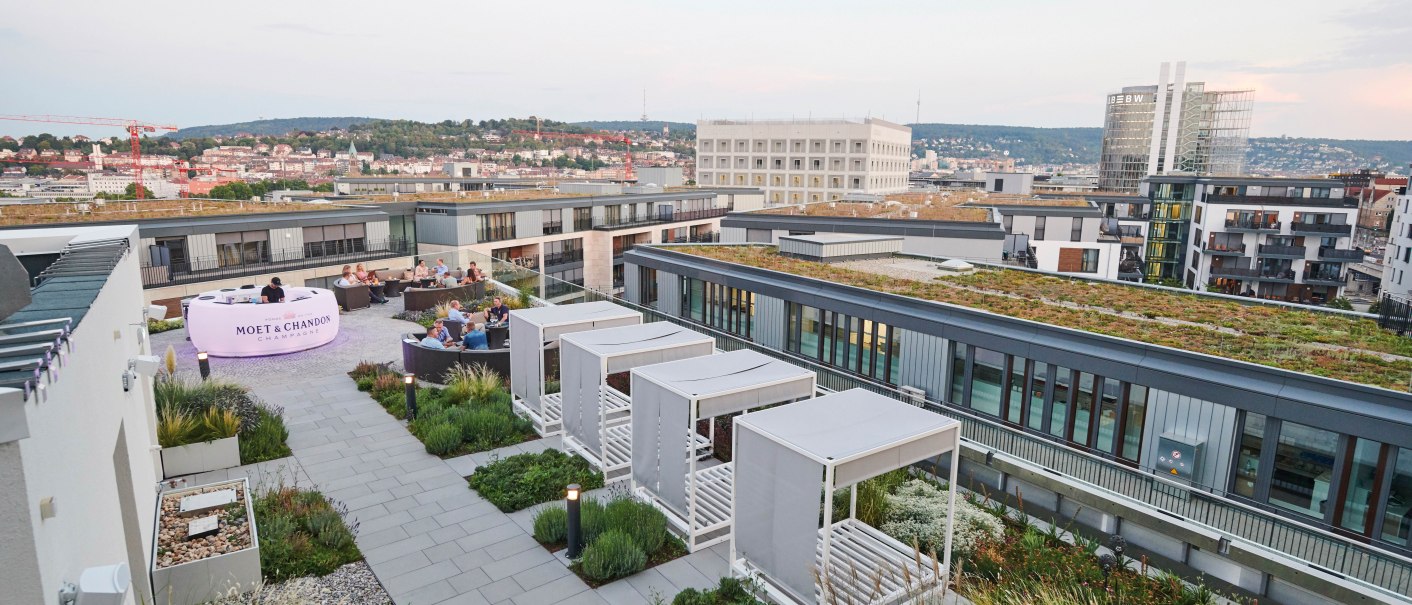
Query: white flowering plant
918, 510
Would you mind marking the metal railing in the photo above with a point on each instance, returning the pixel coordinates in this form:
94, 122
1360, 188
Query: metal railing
1335, 202
563, 258
495, 234
1278, 250
1238, 272
1339, 254
1213, 248
675, 217
208, 268
1321, 228
554, 228
1257, 527
1251, 224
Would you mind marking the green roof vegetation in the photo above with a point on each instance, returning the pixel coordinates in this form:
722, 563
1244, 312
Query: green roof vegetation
1314, 342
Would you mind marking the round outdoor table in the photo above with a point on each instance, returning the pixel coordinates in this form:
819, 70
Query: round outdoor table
229, 323
496, 335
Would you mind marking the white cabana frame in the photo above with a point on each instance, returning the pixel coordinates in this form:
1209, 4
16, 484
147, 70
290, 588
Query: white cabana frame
669, 400
596, 415
535, 331
782, 453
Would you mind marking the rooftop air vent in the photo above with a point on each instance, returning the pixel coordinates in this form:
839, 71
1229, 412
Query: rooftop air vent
838, 247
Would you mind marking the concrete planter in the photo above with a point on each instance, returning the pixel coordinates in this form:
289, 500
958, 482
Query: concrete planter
210, 578
200, 457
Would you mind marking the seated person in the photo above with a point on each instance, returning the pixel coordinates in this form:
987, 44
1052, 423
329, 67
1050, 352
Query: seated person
375, 286
447, 281
361, 273
498, 312
348, 280
475, 340
473, 275
273, 293
432, 340
421, 273
455, 314
441, 269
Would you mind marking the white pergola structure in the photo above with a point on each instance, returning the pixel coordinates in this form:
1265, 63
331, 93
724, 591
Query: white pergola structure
535, 331
788, 457
596, 415
669, 401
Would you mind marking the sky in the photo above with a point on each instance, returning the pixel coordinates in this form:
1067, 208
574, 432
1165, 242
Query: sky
1340, 70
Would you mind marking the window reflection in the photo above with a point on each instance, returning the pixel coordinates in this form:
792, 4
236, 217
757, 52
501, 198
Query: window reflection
1303, 469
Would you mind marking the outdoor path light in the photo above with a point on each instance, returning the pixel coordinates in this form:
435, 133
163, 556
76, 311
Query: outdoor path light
575, 532
201, 359
410, 380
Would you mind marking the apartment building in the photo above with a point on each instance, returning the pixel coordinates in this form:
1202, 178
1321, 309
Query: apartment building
1173, 126
804, 161
1236, 460
1278, 239
1397, 261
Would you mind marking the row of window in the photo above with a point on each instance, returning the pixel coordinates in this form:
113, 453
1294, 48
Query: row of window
852, 344
727, 309
1099, 414
800, 145
1355, 485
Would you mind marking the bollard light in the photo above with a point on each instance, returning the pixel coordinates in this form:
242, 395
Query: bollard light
1107, 563
1118, 544
410, 380
575, 531
201, 359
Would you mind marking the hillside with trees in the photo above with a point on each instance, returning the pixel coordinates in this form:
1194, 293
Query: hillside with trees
277, 127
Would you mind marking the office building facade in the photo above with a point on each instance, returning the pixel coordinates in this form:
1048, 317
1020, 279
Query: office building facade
1174, 126
1316, 451
804, 161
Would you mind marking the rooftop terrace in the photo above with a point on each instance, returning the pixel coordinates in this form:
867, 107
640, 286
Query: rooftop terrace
955, 206
97, 210
1332, 345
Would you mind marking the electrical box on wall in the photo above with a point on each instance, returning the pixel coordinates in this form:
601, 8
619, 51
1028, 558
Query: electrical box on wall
1179, 457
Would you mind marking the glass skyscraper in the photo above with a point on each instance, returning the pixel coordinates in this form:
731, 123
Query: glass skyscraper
1175, 126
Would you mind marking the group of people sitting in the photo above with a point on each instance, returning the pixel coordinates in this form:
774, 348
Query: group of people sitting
353, 277
441, 276
473, 333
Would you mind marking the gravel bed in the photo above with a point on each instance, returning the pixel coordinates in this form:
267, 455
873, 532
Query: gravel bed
351, 584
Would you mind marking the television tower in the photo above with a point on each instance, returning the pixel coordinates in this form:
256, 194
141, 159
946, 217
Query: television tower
644, 107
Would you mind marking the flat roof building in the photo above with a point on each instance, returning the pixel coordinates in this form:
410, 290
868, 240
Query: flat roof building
804, 161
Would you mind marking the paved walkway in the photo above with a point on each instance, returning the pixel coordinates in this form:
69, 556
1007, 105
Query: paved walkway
427, 536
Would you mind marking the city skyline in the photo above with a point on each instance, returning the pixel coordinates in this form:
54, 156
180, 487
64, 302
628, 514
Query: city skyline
971, 64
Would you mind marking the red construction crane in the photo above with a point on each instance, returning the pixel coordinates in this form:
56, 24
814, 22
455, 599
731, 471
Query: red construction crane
135, 130
628, 174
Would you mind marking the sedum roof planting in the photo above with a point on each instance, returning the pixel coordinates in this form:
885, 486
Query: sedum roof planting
1325, 344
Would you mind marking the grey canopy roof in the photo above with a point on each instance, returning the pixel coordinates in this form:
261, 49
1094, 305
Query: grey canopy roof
731, 382
857, 430
547, 318
619, 345
532, 330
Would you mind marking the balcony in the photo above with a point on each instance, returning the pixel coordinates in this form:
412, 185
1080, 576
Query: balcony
619, 250
1339, 255
1251, 225
1235, 272
563, 258
1327, 202
674, 217
1324, 229
554, 228
1277, 251
711, 237
1324, 278
1223, 249
1278, 276
495, 234
201, 269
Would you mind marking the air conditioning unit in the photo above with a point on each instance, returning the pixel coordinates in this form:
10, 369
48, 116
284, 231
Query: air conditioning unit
913, 395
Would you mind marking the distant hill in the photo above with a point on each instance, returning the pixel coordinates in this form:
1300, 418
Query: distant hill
653, 125
267, 127
1084, 144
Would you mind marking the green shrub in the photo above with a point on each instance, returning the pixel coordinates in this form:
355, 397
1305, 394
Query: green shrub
301, 534
551, 525
525, 480
219, 424
646, 525
442, 439
729, 591
593, 520
174, 426
366, 368
266, 441
613, 555
487, 429
157, 326
365, 383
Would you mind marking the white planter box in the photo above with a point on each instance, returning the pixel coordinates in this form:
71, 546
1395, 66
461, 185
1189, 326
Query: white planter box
213, 577
200, 457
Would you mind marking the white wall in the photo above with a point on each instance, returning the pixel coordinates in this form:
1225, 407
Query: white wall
1396, 281
69, 455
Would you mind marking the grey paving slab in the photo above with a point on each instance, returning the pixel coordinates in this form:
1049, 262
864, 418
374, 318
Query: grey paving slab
427, 537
